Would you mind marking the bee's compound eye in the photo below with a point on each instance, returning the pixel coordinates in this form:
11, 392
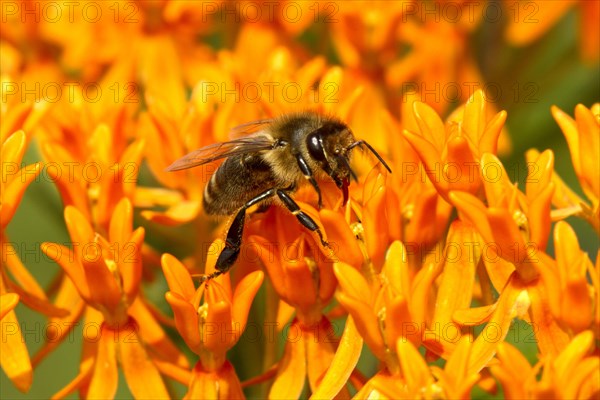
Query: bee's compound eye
314, 143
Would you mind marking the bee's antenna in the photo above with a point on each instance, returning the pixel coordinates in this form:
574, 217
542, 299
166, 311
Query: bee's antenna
360, 143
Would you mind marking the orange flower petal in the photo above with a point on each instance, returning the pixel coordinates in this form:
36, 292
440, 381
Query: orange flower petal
507, 237
539, 176
121, 222
569, 129
105, 378
186, 319
458, 275
568, 360
129, 167
583, 384
12, 151
222, 384
218, 334
35, 303
414, 369
588, 127
431, 126
242, 298
154, 335
79, 228
8, 301
474, 117
141, 374
70, 186
495, 180
130, 263
14, 120
375, 227
319, 340
352, 283
269, 255
521, 31
67, 298
457, 172
474, 316
497, 328
456, 368
489, 142
15, 190
176, 215
301, 291
396, 269
550, 336
366, 323
342, 238
178, 277
64, 257
420, 229
343, 363
14, 357
474, 211
291, 373
399, 323
19, 272
104, 288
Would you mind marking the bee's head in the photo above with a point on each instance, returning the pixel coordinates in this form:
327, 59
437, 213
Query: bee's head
329, 146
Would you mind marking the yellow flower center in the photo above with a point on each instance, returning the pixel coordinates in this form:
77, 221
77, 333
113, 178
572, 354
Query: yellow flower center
521, 220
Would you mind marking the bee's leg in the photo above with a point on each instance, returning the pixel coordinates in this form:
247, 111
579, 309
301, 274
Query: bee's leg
303, 217
233, 242
308, 174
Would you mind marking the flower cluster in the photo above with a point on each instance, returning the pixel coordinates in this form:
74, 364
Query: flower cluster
426, 269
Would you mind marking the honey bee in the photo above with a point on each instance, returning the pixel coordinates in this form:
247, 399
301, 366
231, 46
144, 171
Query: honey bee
265, 162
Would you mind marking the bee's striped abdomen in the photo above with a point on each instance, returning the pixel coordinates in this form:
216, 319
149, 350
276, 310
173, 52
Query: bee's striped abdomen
235, 182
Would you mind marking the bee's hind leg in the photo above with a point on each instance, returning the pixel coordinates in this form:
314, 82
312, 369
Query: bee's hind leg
233, 242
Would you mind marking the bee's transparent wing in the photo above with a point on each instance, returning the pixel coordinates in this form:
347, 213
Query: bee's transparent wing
249, 144
248, 128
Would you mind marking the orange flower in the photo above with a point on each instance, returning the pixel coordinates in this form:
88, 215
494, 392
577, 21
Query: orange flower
462, 260
517, 226
13, 183
451, 154
170, 133
212, 328
531, 20
303, 278
138, 21
14, 357
388, 306
583, 138
401, 206
93, 177
14, 178
572, 374
438, 68
567, 283
106, 274
455, 381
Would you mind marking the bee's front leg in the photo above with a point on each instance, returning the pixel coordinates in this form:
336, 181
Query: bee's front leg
308, 174
303, 217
